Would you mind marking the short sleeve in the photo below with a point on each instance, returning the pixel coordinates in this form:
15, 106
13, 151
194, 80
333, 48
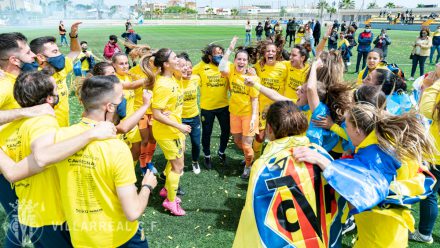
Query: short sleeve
161, 95
4, 98
41, 126
69, 65
197, 68
122, 165
254, 92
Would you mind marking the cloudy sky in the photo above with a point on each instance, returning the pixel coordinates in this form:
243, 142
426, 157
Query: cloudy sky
274, 3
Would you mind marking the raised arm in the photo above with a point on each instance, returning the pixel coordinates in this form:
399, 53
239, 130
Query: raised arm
321, 45
223, 66
312, 86
75, 47
270, 93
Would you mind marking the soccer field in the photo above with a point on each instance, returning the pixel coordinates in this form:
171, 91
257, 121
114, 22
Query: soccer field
213, 199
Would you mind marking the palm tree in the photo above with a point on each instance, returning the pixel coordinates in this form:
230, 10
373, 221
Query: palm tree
157, 12
210, 11
390, 5
99, 5
373, 5
331, 11
347, 4
235, 12
322, 5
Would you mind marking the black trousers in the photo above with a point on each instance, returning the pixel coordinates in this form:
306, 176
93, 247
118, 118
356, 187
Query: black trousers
208, 118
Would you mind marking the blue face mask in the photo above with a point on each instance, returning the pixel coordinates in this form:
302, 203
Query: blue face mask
29, 66
57, 62
216, 59
121, 110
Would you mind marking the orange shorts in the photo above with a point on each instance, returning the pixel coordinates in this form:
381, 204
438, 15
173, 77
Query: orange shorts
241, 125
147, 120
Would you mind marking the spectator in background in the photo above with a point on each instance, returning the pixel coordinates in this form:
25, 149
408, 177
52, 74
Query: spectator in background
333, 39
278, 29
435, 45
351, 40
259, 31
248, 29
343, 47
111, 47
316, 32
344, 27
87, 59
308, 37
268, 29
127, 24
420, 52
132, 37
62, 32
290, 31
364, 46
336, 25
382, 42
312, 24
353, 24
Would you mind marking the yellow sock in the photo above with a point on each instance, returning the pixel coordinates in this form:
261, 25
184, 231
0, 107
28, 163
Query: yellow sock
257, 149
171, 185
167, 168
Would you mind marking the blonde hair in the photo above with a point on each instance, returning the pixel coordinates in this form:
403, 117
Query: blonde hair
138, 51
402, 136
149, 70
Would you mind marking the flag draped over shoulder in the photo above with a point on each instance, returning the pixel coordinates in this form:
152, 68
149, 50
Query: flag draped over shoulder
289, 204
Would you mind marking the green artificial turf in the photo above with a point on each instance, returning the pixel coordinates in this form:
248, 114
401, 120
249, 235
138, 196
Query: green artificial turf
215, 198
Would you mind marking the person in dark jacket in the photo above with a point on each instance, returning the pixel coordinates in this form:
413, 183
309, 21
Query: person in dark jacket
259, 31
333, 39
382, 42
364, 46
317, 32
290, 31
132, 37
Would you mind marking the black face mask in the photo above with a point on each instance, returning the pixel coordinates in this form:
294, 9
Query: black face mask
56, 101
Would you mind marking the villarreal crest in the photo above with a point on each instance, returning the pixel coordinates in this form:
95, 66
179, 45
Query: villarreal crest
294, 206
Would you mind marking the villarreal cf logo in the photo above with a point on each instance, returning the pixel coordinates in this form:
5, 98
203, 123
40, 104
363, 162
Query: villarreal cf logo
292, 204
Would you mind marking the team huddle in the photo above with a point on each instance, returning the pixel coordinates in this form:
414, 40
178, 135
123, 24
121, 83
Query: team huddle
318, 151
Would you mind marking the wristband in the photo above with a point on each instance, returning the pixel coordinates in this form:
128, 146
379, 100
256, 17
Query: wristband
73, 37
228, 52
257, 86
148, 186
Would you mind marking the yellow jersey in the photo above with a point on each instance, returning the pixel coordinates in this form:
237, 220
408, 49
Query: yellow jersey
85, 65
7, 100
213, 86
295, 78
240, 103
273, 77
39, 196
8, 138
168, 96
137, 73
88, 182
190, 89
129, 95
430, 99
62, 108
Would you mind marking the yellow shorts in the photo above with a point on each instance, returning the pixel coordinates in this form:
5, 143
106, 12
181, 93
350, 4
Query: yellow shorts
172, 149
241, 125
147, 120
133, 136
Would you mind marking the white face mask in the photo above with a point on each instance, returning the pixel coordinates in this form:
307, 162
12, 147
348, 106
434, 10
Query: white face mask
367, 30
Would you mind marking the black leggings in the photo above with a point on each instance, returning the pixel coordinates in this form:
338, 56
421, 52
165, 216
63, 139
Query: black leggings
417, 59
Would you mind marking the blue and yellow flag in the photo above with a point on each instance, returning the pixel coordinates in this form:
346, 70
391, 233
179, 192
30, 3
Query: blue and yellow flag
289, 204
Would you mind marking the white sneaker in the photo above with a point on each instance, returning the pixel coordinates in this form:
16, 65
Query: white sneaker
196, 167
417, 236
348, 63
411, 79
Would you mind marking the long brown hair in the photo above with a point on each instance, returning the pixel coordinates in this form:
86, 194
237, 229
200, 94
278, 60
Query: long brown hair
286, 119
402, 136
146, 67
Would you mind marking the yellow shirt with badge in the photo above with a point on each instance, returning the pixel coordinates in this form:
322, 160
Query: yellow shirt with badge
62, 108
213, 86
190, 106
273, 77
39, 196
168, 96
240, 103
85, 66
7, 100
89, 180
295, 78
